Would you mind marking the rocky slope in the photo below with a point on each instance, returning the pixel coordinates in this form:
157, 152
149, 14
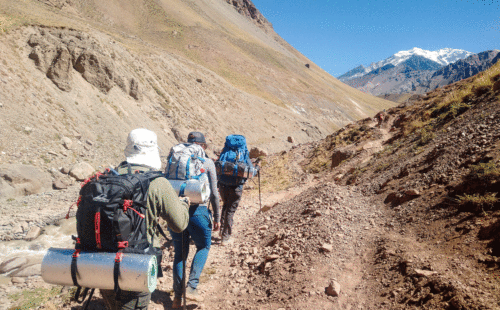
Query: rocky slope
77, 76
437, 168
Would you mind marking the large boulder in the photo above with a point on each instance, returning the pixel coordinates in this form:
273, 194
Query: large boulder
29, 271
60, 69
333, 288
96, 69
179, 134
56, 52
81, 171
19, 180
342, 154
33, 233
67, 143
13, 263
52, 58
43, 51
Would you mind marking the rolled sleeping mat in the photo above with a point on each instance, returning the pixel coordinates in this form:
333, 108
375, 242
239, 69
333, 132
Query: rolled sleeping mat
198, 191
239, 170
138, 272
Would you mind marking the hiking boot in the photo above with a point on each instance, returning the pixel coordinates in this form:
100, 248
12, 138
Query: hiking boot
226, 241
193, 294
177, 303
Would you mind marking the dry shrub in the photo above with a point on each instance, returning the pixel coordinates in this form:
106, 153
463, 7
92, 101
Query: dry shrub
495, 78
487, 171
496, 86
481, 90
478, 201
276, 175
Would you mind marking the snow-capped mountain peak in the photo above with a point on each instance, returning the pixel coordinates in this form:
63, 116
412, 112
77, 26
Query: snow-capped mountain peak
443, 56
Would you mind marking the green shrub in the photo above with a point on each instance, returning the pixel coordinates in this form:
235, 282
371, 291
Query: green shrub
425, 136
33, 298
490, 170
478, 201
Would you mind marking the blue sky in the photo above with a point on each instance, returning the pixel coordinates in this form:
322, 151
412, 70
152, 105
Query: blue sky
340, 35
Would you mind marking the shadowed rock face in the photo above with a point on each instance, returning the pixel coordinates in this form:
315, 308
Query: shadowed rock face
57, 3
59, 52
247, 8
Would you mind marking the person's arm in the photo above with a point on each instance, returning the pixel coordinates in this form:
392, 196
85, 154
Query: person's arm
249, 161
164, 202
250, 164
214, 192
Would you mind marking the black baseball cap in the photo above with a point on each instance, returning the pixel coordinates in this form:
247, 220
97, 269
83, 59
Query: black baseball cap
196, 136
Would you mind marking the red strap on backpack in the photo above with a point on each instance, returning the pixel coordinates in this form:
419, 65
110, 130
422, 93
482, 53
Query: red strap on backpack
127, 204
77, 204
122, 244
118, 257
97, 221
85, 182
76, 253
97, 175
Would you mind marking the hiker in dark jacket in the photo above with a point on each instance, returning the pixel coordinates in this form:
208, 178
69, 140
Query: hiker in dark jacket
231, 189
142, 154
199, 230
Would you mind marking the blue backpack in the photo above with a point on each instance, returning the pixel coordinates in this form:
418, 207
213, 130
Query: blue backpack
235, 150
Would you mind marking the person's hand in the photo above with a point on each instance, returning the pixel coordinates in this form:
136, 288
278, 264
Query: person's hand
216, 226
186, 200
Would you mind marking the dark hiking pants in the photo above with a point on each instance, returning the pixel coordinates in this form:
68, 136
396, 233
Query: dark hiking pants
128, 300
231, 196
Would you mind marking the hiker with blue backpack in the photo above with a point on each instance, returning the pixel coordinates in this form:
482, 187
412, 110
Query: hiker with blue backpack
189, 166
234, 167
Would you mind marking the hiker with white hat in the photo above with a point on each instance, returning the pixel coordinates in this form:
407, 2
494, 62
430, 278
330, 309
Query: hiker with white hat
142, 156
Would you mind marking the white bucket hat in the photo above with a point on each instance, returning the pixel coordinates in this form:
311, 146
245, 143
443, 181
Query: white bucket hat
142, 148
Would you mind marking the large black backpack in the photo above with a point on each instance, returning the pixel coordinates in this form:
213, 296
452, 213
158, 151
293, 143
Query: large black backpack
111, 216
111, 212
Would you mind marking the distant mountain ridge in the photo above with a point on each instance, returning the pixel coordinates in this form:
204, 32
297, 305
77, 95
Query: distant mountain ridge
443, 57
463, 69
419, 72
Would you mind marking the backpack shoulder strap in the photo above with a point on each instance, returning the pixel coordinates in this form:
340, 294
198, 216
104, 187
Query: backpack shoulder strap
129, 166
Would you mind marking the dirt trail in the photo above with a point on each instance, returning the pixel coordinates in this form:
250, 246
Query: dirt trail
318, 231
242, 275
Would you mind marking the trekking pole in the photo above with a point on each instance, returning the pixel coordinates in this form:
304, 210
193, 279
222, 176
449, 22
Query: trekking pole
183, 275
260, 201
